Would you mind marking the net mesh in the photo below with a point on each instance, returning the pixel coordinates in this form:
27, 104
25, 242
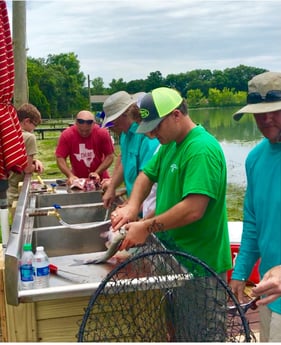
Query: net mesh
163, 296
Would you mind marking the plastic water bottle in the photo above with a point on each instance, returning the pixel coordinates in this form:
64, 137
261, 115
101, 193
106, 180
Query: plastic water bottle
41, 268
26, 267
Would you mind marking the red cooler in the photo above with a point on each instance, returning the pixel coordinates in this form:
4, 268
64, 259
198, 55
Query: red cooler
235, 234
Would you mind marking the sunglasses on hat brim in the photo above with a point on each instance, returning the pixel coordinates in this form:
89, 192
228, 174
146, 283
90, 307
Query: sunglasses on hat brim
271, 96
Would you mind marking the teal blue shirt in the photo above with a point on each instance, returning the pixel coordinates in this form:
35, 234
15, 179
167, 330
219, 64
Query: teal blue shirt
136, 151
261, 236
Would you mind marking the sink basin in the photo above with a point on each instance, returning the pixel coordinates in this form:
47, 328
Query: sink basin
64, 198
72, 214
75, 207
60, 241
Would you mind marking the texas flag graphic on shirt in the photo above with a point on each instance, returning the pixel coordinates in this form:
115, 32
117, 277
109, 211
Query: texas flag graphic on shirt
85, 155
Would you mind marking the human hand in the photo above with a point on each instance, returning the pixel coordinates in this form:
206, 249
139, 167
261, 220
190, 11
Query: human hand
108, 197
38, 166
105, 183
95, 176
136, 235
270, 286
71, 180
238, 287
123, 214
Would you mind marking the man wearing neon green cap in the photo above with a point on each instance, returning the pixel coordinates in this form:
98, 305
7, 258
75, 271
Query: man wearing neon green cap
190, 170
190, 213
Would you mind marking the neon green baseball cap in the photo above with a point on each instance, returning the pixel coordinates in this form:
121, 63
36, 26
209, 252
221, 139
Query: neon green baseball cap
155, 106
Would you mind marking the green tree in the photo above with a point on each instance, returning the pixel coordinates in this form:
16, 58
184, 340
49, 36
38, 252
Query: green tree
195, 98
59, 79
117, 85
214, 97
154, 80
237, 78
227, 97
57, 86
178, 82
218, 79
70, 81
199, 79
35, 73
240, 97
98, 87
135, 86
37, 97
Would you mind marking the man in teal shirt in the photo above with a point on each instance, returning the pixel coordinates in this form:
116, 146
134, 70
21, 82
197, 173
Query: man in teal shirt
122, 117
261, 237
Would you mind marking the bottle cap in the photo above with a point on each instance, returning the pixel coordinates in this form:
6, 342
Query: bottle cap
27, 246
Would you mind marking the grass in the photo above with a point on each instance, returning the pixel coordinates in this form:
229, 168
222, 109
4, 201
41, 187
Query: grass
46, 153
234, 200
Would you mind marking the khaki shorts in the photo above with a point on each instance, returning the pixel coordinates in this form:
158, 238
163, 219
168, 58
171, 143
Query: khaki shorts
270, 325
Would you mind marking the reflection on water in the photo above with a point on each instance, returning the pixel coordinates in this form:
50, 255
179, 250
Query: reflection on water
236, 138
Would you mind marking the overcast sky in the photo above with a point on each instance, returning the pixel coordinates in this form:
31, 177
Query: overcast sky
130, 38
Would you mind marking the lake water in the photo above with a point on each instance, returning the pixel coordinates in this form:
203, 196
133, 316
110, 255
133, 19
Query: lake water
236, 138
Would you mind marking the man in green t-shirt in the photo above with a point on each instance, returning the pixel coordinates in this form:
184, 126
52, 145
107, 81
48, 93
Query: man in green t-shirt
190, 214
190, 170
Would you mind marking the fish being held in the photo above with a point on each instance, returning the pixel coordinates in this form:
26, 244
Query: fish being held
115, 240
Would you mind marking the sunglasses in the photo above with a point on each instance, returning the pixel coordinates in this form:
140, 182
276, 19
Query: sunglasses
82, 122
35, 124
271, 96
109, 125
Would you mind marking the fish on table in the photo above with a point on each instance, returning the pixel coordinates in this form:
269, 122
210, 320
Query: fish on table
114, 243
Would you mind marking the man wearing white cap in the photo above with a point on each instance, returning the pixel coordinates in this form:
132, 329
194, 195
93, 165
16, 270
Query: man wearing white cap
262, 205
122, 116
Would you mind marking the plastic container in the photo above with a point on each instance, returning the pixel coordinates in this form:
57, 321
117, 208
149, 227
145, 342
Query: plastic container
26, 268
5, 228
235, 235
41, 268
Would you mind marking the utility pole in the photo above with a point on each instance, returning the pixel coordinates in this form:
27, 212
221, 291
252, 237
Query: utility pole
89, 92
19, 48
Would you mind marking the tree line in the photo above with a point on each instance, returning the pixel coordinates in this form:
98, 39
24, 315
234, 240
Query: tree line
59, 88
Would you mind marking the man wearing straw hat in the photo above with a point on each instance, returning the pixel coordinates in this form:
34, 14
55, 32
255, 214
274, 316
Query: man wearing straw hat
262, 205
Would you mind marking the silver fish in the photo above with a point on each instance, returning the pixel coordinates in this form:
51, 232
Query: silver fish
112, 250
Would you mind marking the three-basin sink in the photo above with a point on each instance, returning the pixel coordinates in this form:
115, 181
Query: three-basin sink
78, 229
75, 234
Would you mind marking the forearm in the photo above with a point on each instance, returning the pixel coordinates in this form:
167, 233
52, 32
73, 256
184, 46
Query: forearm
64, 168
117, 175
181, 214
188, 211
105, 164
31, 167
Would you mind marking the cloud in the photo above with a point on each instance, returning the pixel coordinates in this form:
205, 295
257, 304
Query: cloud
130, 38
